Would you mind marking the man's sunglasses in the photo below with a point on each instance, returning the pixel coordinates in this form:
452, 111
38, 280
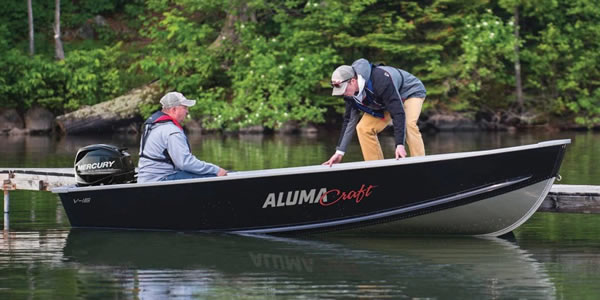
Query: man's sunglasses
338, 84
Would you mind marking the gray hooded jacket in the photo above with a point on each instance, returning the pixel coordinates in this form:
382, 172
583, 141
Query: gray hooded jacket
168, 136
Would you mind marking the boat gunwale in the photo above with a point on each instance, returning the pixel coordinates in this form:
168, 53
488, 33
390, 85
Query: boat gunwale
319, 168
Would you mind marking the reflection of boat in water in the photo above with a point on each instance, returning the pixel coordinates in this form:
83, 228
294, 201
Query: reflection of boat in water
160, 263
473, 193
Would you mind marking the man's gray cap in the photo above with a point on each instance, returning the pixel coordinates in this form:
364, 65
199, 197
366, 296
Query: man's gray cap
341, 76
174, 99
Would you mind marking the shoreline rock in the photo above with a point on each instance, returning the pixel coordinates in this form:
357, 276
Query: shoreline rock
9, 120
39, 120
121, 115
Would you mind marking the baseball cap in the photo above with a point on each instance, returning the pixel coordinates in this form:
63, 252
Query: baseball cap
173, 99
340, 78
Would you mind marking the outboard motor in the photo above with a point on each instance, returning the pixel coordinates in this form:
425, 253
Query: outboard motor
103, 164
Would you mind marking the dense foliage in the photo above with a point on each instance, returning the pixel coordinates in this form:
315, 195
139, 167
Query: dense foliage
267, 62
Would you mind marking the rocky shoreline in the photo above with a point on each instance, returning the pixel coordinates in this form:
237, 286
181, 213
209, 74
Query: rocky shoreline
122, 115
40, 121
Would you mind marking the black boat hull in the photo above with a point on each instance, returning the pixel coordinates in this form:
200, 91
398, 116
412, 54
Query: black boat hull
475, 193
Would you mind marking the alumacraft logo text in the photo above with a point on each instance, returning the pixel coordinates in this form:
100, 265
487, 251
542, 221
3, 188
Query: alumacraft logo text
323, 197
97, 165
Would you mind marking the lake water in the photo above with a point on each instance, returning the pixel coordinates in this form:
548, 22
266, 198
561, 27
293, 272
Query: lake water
551, 256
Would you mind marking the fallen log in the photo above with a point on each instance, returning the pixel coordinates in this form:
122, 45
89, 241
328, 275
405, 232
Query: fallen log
111, 115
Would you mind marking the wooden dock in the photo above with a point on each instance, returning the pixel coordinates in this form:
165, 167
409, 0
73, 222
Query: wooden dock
572, 199
562, 198
40, 179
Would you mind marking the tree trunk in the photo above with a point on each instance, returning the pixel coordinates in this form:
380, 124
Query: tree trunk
239, 13
60, 54
30, 20
519, 86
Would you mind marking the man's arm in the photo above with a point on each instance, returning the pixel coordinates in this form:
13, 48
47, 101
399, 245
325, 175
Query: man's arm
351, 117
184, 160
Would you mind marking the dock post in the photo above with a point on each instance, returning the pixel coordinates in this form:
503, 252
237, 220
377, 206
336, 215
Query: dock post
7, 186
6, 201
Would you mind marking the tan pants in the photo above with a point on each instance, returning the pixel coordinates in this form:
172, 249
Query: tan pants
369, 126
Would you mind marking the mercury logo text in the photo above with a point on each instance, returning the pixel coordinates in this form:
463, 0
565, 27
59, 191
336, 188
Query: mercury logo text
97, 165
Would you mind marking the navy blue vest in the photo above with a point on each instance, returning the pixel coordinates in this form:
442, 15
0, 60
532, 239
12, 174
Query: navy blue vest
368, 104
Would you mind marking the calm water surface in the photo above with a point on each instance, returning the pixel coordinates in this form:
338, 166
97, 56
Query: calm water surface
552, 256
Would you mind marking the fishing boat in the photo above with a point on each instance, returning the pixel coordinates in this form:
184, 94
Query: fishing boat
481, 193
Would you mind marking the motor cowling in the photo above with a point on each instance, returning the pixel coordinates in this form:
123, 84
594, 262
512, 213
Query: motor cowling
103, 164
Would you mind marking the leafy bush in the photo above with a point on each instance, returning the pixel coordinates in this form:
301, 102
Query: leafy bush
93, 77
488, 45
83, 78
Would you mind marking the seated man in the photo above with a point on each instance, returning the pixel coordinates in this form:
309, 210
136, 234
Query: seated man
165, 152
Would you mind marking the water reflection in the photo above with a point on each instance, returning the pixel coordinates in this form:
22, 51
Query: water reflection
38, 259
160, 264
31, 247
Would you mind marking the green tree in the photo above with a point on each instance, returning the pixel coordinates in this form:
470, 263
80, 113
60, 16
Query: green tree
242, 59
268, 62
488, 52
562, 58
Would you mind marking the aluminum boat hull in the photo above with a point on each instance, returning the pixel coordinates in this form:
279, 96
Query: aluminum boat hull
488, 192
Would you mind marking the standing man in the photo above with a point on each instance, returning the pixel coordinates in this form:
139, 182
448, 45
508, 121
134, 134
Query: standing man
165, 152
384, 94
